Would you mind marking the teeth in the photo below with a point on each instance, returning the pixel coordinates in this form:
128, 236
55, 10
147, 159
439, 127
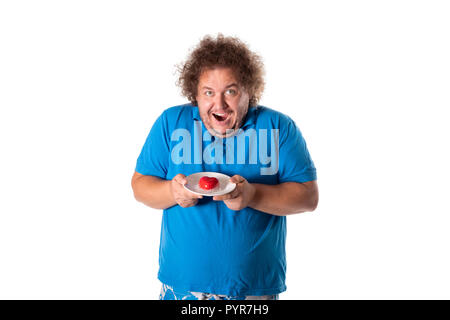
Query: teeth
220, 114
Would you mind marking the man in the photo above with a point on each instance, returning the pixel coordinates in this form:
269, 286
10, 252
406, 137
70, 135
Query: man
230, 246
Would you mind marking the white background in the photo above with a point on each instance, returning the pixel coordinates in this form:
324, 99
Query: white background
367, 82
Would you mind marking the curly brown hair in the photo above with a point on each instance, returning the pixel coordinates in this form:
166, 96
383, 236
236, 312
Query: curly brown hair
222, 52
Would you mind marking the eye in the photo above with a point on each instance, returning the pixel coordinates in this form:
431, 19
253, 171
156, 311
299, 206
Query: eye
209, 93
231, 92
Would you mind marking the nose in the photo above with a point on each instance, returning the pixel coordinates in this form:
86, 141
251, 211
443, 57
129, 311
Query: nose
219, 101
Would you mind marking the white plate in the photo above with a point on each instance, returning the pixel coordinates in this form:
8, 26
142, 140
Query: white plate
224, 187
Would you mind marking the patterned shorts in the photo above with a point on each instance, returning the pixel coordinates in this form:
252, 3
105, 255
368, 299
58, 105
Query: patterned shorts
167, 293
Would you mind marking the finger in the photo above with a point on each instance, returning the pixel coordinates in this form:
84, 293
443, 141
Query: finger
221, 198
191, 195
237, 179
188, 203
180, 178
231, 195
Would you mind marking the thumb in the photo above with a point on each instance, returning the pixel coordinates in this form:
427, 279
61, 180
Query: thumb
180, 178
237, 179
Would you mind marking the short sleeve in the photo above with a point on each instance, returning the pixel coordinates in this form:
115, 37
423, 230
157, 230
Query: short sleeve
295, 163
154, 157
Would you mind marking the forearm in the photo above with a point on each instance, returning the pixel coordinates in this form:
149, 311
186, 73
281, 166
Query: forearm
285, 198
153, 191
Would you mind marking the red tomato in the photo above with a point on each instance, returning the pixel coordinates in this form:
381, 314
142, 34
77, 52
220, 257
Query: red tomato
208, 183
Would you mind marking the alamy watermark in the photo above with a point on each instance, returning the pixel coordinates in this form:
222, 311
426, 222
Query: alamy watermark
258, 148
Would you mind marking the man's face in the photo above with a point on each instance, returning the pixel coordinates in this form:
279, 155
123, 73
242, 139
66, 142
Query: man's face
222, 102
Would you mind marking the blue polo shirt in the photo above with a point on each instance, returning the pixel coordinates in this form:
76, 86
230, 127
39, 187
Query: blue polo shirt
208, 247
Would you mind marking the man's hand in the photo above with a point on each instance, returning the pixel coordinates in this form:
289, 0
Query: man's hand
182, 196
240, 197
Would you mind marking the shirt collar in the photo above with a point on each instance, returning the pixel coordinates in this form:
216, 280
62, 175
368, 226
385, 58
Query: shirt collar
250, 117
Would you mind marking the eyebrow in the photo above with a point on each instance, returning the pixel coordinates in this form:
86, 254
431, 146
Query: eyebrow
228, 86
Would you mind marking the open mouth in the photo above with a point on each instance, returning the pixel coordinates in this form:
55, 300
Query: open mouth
220, 117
